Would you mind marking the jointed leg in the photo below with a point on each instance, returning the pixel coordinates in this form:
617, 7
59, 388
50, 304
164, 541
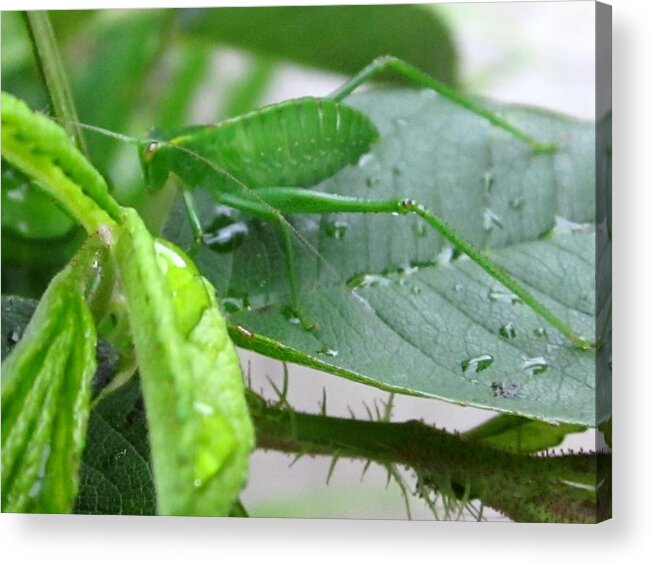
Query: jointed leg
193, 216
413, 74
261, 210
291, 200
290, 261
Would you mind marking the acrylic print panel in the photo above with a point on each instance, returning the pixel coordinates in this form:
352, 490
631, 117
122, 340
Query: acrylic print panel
399, 214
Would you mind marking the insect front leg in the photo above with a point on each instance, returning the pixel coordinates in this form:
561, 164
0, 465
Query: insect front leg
290, 200
412, 74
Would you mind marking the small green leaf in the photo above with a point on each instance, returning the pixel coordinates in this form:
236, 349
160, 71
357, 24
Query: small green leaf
45, 397
44, 152
522, 435
199, 427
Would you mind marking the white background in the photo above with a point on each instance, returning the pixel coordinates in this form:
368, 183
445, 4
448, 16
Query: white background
26, 538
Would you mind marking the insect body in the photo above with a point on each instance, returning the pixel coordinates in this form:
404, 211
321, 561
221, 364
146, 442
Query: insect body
293, 144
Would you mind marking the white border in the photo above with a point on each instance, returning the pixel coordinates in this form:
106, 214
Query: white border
115, 539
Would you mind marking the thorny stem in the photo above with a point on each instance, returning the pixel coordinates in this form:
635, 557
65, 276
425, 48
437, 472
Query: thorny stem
524, 487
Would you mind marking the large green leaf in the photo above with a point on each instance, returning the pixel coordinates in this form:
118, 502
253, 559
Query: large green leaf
116, 475
340, 39
419, 323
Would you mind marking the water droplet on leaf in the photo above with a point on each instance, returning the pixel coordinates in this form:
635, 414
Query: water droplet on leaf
336, 229
366, 160
488, 179
535, 366
13, 337
507, 331
372, 181
225, 234
503, 296
419, 229
490, 220
329, 352
540, 332
477, 363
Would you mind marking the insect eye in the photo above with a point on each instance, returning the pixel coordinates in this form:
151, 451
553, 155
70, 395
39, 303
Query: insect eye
151, 150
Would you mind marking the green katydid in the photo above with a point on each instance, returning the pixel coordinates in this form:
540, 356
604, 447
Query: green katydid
261, 162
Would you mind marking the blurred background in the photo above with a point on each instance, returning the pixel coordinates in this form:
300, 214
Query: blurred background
194, 67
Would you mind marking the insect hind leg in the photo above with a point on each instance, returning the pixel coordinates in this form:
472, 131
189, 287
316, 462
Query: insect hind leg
311, 201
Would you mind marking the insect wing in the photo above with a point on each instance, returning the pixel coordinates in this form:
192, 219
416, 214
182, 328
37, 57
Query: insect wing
295, 144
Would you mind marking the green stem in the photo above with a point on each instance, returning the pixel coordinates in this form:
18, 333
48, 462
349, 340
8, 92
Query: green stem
51, 66
526, 488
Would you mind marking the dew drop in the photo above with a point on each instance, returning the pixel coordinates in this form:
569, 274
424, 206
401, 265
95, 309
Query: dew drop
516, 203
197, 483
540, 332
400, 122
235, 303
419, 229
291, 315
477, 363
294, 318
336, 229
507, 331
535, 366
224, 233
366, 160
372, 181
203, 408
227, 238
490, 220
329, 352
369, 280
444, 257
415, 290
488, 179
565, 227
503, 296
458, 287
16, 194
13, 337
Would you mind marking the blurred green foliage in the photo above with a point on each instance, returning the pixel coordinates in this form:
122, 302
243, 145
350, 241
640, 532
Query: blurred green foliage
131, 70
